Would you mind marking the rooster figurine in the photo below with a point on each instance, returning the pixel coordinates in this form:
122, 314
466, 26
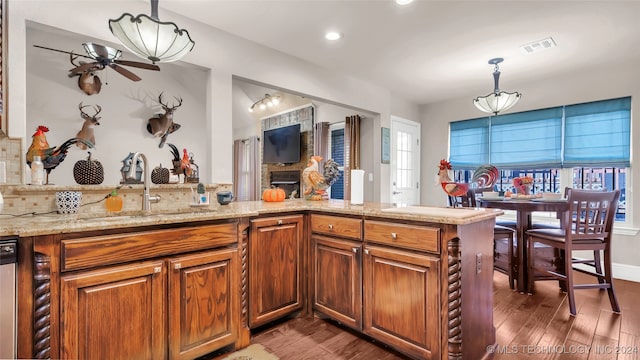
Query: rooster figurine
483, 177
315, 185
51, 156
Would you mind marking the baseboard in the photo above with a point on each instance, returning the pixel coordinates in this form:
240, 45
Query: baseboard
626, 272
620, 271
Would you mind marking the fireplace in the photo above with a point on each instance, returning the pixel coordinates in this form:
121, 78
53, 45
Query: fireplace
289, 181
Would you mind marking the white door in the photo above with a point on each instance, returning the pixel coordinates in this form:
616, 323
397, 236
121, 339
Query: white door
405, 161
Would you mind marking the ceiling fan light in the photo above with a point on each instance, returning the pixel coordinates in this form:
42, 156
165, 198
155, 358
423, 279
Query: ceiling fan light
150, 38
93, 51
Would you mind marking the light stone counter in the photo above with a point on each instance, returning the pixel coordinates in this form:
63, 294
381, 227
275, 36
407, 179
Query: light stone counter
52, 223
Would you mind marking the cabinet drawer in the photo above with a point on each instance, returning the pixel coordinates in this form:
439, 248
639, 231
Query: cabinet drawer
401, 235
93, 251
336, 226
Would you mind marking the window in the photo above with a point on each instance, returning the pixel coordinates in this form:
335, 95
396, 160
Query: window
584, 146
336, 146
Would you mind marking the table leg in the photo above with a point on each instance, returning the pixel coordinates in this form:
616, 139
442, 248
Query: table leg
523, 223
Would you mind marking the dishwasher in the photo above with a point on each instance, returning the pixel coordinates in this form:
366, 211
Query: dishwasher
8, 310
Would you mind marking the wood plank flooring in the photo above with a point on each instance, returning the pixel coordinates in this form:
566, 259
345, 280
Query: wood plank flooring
527, 326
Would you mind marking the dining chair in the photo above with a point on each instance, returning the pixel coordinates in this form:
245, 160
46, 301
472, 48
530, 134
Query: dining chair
587, 225
504, 253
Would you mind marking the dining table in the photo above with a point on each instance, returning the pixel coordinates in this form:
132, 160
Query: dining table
524, 207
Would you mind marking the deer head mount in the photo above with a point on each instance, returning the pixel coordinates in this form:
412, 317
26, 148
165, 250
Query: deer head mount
161, 125
90, 121
88, 81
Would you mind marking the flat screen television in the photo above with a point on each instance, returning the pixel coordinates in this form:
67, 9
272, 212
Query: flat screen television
281, 145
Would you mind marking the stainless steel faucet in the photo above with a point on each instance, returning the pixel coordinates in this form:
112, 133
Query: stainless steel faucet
147, 199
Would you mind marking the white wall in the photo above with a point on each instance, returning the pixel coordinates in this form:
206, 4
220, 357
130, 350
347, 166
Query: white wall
223, 54
53, 99
571, 88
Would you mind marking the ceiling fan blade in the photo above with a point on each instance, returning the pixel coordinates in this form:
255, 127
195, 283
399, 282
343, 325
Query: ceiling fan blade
137, 64
84, 67
62, 51
128, 74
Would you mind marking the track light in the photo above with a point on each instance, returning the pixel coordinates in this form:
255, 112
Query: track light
266, 101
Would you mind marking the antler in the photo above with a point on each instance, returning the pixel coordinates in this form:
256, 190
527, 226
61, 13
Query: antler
84, 115
166, 107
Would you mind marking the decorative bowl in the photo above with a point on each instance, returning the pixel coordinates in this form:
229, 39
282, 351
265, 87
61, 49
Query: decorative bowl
68, 202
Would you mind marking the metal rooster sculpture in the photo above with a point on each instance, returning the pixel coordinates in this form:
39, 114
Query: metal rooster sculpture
315, 184
51, 156
484, 176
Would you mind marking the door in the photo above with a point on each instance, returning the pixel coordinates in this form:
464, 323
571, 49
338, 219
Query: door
401, 300
275, 268
123, 305
405, 161
203, 303
337, 279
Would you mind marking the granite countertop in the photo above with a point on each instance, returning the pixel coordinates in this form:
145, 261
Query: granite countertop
53, 223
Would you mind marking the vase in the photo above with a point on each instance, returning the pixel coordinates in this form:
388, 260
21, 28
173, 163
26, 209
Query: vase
524, 189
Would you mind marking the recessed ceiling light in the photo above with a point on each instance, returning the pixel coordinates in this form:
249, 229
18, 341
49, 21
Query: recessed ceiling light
403, 2
333, 35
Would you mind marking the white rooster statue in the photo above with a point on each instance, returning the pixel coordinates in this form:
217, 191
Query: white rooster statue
314, 184
484, 176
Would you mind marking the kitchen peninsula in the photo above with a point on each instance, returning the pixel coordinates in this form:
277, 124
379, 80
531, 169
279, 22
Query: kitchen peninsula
182, 284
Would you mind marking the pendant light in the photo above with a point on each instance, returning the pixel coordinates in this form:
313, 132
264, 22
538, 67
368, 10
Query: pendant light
150, 38
498, 100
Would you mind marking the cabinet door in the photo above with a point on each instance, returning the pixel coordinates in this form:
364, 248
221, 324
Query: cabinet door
337, 279
203, 303
114, 313
401, 300
275, 268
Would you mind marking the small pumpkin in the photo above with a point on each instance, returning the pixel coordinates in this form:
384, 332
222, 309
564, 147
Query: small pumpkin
88, 172
160, 175
273, 195
113, 201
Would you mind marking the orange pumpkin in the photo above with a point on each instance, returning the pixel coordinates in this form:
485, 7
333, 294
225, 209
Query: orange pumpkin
273, 195
113, 202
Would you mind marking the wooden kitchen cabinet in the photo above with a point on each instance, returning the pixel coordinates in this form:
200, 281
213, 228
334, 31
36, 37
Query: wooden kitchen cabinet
401, 300
203, 306
275, 268
114, 313
337, 268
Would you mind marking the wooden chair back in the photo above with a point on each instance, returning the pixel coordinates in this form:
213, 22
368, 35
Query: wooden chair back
591, 215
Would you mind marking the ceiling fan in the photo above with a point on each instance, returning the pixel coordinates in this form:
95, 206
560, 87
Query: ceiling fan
102, 57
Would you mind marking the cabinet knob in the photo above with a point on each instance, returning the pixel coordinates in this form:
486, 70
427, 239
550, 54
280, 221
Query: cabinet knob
355, 250
279, 221
157, 269
394, 236
330, 226
177, 266
366, 251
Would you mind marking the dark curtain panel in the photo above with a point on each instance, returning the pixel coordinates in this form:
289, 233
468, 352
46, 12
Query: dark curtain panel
246, 169
351, 150
321, 142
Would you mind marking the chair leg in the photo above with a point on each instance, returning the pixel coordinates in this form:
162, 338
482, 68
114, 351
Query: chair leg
613, 299
530, 263
598, 266
568, 272
512, 270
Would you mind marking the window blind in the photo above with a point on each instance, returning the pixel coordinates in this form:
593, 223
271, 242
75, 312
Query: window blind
530, 139
595, 134
598, 134
469, 143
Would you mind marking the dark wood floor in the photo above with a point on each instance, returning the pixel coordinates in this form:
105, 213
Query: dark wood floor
527, 326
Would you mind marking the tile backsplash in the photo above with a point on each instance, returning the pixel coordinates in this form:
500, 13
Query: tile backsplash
11, 156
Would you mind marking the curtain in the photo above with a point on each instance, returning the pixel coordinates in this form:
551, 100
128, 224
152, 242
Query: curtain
351, 151
246, 169
321, 142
